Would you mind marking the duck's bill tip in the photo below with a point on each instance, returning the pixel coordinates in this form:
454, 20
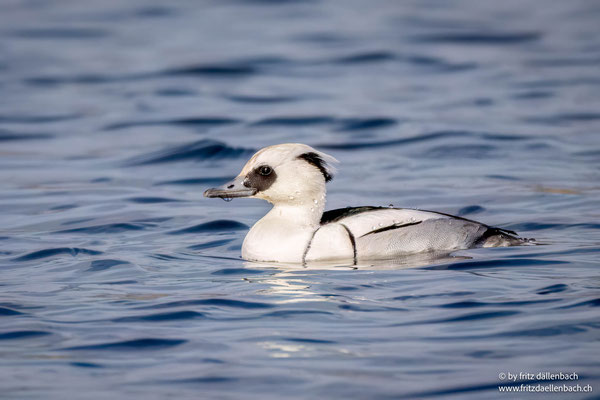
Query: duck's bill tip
229, 194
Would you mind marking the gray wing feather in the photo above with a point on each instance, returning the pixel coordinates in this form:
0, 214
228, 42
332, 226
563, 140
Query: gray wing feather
430, 235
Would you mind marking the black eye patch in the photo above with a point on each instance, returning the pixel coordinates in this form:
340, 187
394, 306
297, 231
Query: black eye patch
260, 178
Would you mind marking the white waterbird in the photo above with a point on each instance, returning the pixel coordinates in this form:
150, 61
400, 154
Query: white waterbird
292, 177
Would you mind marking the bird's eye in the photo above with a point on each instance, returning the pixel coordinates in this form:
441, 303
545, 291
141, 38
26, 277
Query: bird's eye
265, 170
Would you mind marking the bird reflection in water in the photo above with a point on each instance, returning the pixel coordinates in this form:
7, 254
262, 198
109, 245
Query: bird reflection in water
287, 281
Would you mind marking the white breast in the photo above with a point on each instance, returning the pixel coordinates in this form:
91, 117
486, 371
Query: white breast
274, 239
330, 242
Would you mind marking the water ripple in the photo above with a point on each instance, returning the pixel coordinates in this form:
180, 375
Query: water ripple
262, 99
565, 118
476, 316
477, 304
136, 344
210, 245
479, 38
212, 226
355, 124
539, 226
217, 302
559, 287
22, 334
61, 33
169, 316
226, 70
397, 142
191, 122
309, 340
586, 303
198, 151
37, 119
81, 364
474, 209
203, 380
556, 330
515, 262
367, 57
151, 200
294, 313
236, 271
307, 120
106, 228
198, 181
72, 251
4, 312
103, 265
6, 136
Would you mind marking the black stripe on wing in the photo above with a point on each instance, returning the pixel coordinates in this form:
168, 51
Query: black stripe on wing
308, 246
341, 213
390, 227
475, 222
352, 242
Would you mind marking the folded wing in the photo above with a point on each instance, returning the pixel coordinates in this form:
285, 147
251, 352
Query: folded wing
380, 232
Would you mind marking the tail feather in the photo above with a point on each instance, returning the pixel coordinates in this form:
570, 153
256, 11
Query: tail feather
498, 237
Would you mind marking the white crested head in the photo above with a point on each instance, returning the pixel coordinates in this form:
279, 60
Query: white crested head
288, 173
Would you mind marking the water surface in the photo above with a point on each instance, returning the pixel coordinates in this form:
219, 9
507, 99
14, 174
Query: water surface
120, 280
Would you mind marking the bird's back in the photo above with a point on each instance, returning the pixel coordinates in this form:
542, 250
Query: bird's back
379, 232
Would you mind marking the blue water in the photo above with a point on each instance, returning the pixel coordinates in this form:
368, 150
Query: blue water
119, 280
